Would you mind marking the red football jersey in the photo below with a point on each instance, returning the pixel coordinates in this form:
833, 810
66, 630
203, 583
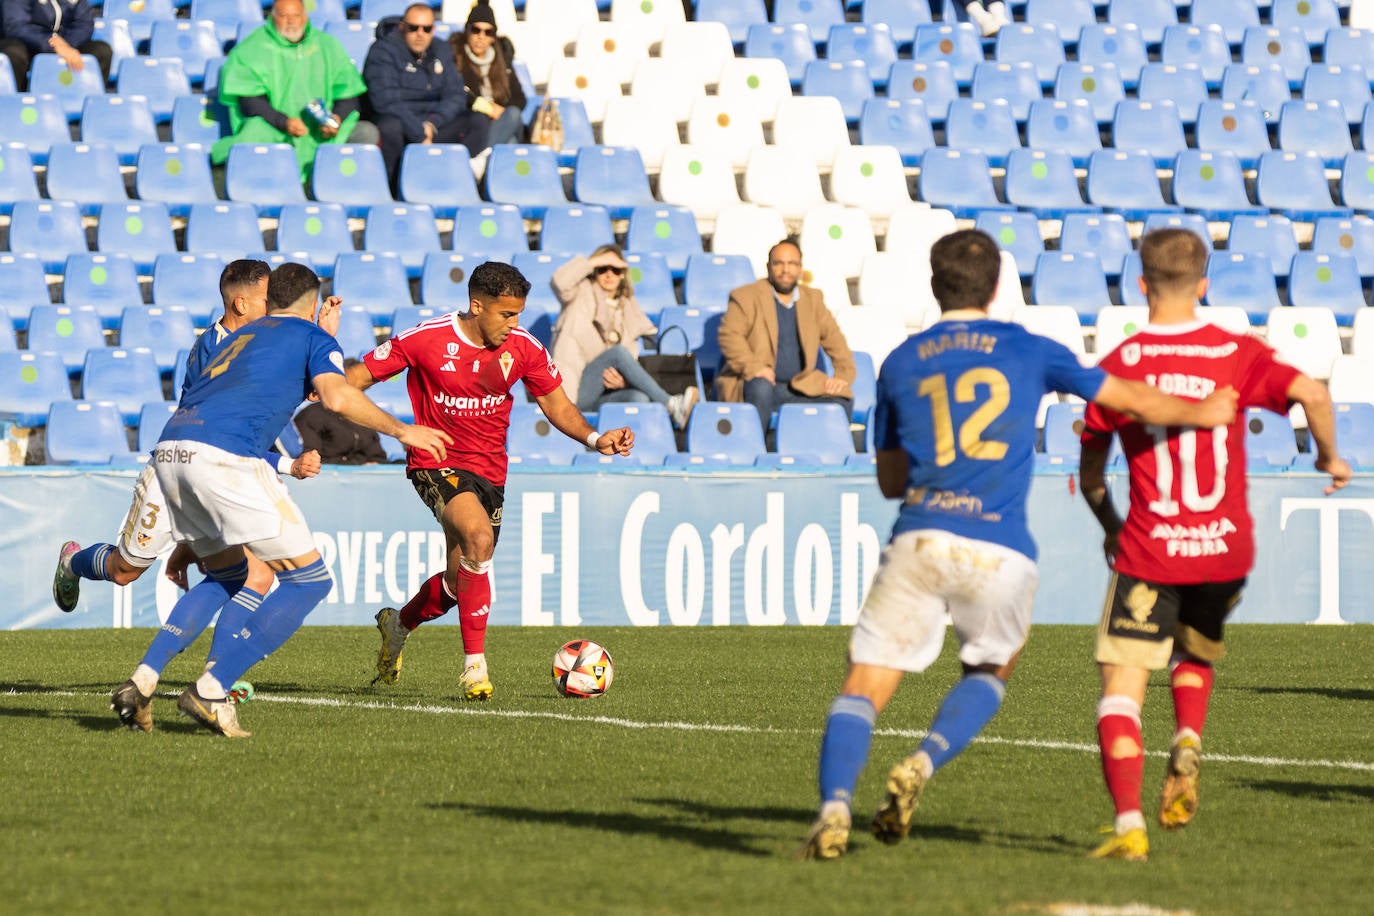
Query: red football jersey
1189, 521
463, 388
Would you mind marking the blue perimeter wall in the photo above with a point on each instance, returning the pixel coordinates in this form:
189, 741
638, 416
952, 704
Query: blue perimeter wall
665, 547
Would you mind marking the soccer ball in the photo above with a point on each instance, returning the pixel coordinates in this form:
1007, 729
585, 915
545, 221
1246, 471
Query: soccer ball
582, 668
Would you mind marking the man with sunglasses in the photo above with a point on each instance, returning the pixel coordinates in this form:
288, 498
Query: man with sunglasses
415, 92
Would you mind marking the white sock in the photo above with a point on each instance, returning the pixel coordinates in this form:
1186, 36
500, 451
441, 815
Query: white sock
145, 679
835, 806
479, 659
924, 762
210, 688
998, 11
1131, 820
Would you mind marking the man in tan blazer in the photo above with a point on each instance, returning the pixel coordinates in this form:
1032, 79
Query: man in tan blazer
770, 339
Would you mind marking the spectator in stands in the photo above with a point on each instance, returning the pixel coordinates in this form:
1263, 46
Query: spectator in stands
493, 89
272, 78
415, 93
990, 18
338, 440
770, 341
596, 337
61, 27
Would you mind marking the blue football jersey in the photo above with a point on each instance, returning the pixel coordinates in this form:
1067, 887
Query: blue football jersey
960, 399
240, 400
207, 345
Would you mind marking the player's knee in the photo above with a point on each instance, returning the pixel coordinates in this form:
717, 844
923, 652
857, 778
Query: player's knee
1124, 748
259, 579
121, 571
1187, 679
478, 547
474, 565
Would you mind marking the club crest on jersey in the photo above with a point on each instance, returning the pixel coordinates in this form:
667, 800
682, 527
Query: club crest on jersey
452, 349
383, 350
1130, 354
506, 361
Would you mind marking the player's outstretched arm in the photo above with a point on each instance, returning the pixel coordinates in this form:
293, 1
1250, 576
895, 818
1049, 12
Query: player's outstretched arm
1143, 402
337, 395
1321, 426
563, 414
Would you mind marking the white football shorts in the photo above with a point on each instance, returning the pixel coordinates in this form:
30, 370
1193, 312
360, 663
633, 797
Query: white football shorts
218, 499
146, 533
987, 589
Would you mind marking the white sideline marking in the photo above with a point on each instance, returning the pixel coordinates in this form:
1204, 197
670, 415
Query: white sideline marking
432, 709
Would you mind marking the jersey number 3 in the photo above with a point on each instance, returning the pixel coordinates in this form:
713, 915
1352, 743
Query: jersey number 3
995, 396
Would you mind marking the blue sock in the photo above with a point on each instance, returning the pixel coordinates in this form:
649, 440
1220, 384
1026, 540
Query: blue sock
246, 635
968, 706
844, 746
193, 613
90, 563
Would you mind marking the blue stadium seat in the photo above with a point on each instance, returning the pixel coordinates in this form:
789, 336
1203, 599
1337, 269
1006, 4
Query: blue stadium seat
159, 80
227, 228
930, 82
1269, 440
162, 331
1284, 47
1102, 234
1233, 127
957, 44
531, 435
987, 128
577, 128
1126, 183
1039, 45
1355, 431
319, 230
1149, 127
729, 430
737, 15
1066, 16
393, 397
122, 122
444, 279
192, 41
846, 80
37, 121
1212, 183
86, 432
47, 228
151, 419
1296, 184
86, 174
266, 175
106, 282
819, 16
375, 10
1315, 127
1017, 83
67, 331
1099, 84
1043, 182
440, 175
1152, 17
1063, 427
1129, 285
1347, 84
654, 438
199, 120
29, 384
1269, 235
957, 180
140, 14
48, 75
1348, 46
670, 231
899, 123
1066, 126
494, 230
613, 177
538, 268
356, 334
1264, 85
653, 282
406, 230
408, 316
351, 175
174, 175
1075, 280
8, 86
231, 18
526, 176
790, 44
374, 281
1119, 45
1233, 16
115, 33
187, 279
17, 181
1244, 280
1016, 231
575, 227
1183, 86
1192, 222
23, 285
710, 278
1314, 18
817, 430
1327, 280
355, 36
872, 43
1353, 236
142, 229
1201, 46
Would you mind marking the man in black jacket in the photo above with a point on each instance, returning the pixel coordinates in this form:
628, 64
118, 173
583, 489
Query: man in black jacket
415, 92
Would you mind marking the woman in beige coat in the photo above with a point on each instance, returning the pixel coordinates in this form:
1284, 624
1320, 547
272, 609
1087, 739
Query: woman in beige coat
596, 337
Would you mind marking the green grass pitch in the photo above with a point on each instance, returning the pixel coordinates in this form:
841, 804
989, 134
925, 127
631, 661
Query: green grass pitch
685, 789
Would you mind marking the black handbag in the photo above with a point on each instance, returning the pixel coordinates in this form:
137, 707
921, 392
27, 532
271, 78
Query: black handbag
674, 372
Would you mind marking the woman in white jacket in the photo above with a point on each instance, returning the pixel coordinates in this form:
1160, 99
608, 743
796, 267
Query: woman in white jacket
596, 337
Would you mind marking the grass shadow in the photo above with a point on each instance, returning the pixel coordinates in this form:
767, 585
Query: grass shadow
1333, 693
1320, 791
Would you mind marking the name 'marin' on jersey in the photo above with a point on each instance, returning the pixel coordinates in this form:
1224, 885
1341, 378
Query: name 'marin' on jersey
463, 388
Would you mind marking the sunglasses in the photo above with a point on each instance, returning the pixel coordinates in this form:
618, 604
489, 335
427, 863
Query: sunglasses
607, 269
481, 30
412, 27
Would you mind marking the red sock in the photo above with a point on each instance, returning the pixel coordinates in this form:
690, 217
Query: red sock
430, 601
1192, 686
1123, 751
474, 605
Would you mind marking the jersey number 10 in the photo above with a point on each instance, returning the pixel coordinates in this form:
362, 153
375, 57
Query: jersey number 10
1165, 505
